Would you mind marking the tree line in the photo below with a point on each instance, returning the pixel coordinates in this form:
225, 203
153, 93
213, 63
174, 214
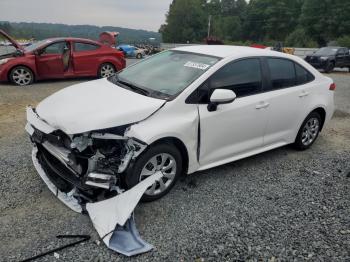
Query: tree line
299, 23
41, 31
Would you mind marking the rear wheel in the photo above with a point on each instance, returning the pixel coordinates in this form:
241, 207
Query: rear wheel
106, 70
308, 131
164, 158
139, 56
21, 76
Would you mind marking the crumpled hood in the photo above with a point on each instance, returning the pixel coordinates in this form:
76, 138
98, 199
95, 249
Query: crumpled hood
95, 105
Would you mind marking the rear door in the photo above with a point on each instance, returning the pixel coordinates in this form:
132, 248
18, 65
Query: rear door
289, 92
50, 60
85, 58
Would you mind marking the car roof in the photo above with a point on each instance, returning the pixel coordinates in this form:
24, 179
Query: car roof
224, 51
56, 39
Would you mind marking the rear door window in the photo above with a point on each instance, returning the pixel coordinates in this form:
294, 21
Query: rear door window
81, 47
282, 73
243, 77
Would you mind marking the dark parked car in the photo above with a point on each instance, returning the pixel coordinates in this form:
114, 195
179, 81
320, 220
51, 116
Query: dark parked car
327, 58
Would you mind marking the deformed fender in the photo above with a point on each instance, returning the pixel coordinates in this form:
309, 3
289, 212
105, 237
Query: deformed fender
182, 124
113, 222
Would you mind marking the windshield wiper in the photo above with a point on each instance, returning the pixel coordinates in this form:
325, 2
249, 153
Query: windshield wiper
135, 88
131, 86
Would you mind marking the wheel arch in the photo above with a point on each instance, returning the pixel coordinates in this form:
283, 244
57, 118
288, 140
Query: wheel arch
180, 146
322, 112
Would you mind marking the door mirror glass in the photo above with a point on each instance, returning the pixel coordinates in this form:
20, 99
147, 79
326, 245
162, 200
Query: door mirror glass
220, 96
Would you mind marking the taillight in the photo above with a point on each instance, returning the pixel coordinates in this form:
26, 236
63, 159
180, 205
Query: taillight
332, 87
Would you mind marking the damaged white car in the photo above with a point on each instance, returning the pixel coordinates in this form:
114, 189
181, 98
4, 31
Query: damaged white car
183, 110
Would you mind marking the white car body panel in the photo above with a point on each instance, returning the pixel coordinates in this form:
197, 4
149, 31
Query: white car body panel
239, 122
171, 122
94, 105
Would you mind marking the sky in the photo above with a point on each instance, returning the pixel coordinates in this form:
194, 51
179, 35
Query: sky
136, 14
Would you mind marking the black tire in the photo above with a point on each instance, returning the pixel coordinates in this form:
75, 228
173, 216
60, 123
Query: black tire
139, 56
329, 67
133, 173
106, 66
21, 76
298, 143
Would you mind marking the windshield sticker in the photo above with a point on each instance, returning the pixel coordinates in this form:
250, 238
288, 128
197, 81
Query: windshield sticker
197, 65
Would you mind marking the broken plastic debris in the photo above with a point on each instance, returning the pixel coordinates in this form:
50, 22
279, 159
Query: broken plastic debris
127, 241
112, 219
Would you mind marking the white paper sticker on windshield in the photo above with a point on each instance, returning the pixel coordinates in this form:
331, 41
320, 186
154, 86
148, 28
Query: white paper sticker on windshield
197, 65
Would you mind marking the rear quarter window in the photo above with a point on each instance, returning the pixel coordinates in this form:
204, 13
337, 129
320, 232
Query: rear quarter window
302, 75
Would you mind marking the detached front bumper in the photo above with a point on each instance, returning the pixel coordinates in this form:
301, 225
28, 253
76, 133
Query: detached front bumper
67, 198
112, 216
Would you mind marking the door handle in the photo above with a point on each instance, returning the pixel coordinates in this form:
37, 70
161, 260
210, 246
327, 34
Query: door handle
262, 105
304, 93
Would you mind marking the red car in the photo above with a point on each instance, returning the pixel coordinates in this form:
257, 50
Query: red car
57, 58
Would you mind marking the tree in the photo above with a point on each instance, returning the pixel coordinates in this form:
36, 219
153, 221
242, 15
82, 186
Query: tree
6, 26
270, 19
185, 21
299, 38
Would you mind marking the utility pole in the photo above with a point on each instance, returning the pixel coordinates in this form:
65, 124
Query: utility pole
209, 24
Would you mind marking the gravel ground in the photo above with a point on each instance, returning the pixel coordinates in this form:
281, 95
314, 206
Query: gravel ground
279, 205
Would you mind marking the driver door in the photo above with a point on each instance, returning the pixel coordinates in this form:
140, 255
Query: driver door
50, 61
236, 128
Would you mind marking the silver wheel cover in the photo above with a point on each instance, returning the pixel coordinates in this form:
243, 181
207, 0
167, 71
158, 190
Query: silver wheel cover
164, 163
310, 131
107, 70
21, 76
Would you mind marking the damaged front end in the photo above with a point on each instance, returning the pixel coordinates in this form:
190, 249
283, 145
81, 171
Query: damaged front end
85, 172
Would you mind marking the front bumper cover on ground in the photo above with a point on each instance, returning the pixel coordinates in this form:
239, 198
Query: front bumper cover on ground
112, 218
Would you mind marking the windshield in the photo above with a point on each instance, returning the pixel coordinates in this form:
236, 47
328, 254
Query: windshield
167, 73
36, 45
326, 51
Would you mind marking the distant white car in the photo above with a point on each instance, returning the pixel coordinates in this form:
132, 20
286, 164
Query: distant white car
180, 111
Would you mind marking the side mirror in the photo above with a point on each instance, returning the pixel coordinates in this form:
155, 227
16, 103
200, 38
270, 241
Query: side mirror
19, 52
220, 96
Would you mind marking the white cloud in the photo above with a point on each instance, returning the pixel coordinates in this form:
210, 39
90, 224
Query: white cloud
137, 14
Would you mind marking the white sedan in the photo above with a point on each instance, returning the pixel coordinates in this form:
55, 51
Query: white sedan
180, 111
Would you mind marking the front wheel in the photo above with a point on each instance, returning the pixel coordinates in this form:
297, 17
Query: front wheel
308, 131
164, 158
329, 67
21, 76
139, 56
106, 70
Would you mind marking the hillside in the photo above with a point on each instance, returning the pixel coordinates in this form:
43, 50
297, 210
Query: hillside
46, 30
